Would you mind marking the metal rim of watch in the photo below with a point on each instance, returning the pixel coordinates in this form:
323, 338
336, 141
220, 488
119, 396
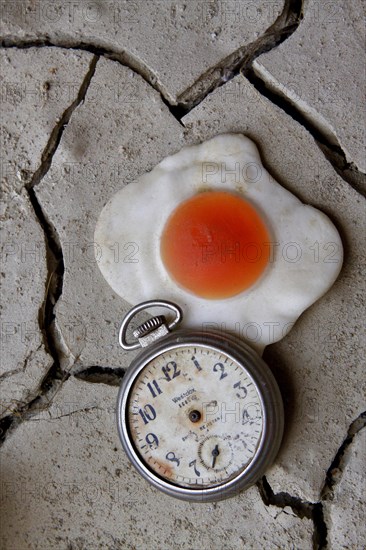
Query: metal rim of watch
269, 394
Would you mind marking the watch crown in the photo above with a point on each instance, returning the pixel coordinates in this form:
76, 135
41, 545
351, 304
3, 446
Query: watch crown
149, 326
153, 329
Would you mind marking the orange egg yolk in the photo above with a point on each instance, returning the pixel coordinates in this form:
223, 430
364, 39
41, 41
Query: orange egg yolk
215, 245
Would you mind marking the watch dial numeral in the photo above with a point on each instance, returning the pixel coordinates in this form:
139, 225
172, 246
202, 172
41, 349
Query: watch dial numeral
245, 417
220, 367
248, 418
251, 414
154, 388
242, 389
171, 456
196, 363
147, 413
193, 464
170, 370
152, 440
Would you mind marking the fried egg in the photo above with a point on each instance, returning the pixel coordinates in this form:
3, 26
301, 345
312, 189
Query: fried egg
210, 229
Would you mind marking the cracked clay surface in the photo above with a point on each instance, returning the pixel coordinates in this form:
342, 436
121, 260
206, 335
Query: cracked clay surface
94, 95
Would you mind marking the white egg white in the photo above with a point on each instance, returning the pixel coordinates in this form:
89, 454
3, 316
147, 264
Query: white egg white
306, 250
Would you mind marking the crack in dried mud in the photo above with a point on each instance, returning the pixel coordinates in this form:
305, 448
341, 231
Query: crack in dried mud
55, 376
333, 153
314, 510
335, 471
123, 58
284, 26
302, 509
239, 62
67, 415
112, 376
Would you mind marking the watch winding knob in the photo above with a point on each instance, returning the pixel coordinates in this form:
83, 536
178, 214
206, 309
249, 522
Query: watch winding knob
149, 325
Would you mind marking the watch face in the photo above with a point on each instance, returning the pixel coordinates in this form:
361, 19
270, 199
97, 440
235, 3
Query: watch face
195, 416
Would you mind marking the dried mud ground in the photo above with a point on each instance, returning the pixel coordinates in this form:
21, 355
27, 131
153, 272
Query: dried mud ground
94, 94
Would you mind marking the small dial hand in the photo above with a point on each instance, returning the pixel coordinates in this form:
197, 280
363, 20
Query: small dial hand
215, 453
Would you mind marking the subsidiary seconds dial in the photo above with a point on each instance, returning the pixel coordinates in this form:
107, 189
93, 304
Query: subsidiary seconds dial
195, 416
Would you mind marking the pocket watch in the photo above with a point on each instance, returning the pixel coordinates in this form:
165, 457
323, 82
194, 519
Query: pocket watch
199, 413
